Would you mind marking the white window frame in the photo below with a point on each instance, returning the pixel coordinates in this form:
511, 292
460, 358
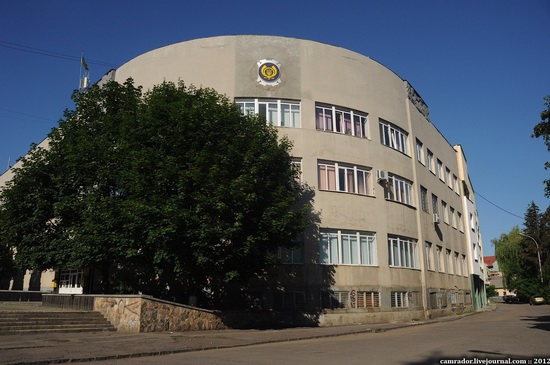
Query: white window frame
420, 152
398, 189
456, 187
448, 177
399, 299
448, 262
403, 252
440, 267
440, 172
343, 247
445, 212
431, 162
394, 137
429, 256
347, 178
330, 118
453, 217
277, 112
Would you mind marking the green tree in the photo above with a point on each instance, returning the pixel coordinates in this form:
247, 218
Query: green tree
174, 189
542, 129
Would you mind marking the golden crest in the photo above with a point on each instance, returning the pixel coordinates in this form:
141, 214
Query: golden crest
269, 72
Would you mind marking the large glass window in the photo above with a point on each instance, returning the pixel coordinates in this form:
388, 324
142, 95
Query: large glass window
341, 120
280, 113
393, 137
398, 189
347, 248
335, 176
403, 252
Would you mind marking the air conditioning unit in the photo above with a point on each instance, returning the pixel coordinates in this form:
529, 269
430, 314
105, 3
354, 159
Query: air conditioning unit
436, 218
382, 175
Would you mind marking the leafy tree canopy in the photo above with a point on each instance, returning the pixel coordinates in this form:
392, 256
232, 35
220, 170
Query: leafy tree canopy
517, 253
173, 187
542, 129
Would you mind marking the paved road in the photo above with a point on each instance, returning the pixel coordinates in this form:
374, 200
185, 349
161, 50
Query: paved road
516, 331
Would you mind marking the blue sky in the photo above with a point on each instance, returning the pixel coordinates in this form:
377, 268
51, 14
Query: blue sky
483, 68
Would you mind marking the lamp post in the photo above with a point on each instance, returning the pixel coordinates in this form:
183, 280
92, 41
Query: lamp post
538, 252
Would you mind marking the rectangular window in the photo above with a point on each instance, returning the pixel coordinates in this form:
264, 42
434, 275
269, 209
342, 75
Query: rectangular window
291, 255
445, 212
348, 248
399, 299
424, 199
464, 267
431, 161
440, 172
453, 218
455, 185
335, 176
448, 262
429, 256
448, 177
368, 299
460, 222
439, 259
398, 189
403, 252
420, 152
279, 113
393, 137
335, 299
435, 204
456, 264
340, 120
296, 163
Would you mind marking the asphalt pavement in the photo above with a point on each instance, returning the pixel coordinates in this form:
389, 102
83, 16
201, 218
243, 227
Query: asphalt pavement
56, 348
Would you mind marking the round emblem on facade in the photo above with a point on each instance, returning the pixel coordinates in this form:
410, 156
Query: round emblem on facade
269, 72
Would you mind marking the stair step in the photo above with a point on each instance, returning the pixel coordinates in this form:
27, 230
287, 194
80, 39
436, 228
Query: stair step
12, 322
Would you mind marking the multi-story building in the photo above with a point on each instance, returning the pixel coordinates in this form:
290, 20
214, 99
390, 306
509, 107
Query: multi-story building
399, 233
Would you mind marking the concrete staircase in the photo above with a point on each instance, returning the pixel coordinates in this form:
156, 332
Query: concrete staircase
52, 321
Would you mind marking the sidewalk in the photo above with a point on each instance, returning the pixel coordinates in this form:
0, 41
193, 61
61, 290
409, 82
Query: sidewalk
81, 347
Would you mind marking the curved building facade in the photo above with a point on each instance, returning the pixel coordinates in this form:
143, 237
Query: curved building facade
398, 235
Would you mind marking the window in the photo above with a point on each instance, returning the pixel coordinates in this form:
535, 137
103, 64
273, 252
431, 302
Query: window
334, 299
276, 112
439, 259
297, 167
335, 176
346, 121
292, 255
348, 248
420, 152
440, 173
399, 299
460, 224
393, 137
448, 177
431, 161
424, 199
368, 299
464, 268
398, 189
448, 262
445, 212
289, 300
456, 265
402, 252
435, 204
472, 223
429, 256
455, 185
453, 218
